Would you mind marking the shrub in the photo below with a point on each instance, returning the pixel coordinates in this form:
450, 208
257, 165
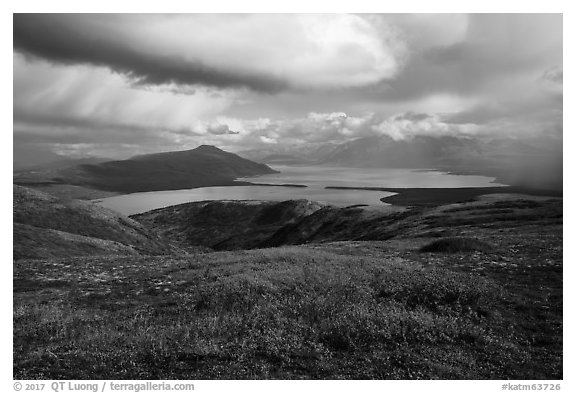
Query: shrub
457, 244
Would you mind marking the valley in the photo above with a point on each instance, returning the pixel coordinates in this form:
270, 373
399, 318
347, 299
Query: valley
201, 264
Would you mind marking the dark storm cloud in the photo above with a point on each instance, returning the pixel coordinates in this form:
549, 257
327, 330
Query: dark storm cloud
99, 40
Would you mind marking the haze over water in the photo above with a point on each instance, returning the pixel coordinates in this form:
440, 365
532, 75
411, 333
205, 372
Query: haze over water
316, 178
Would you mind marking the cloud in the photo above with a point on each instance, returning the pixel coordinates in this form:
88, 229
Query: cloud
407, 125
553, 80
128, 84
554, 75
338, 127
489, 55
94, 108
46, 94
220, 129
533, 107
262, 52
425, 31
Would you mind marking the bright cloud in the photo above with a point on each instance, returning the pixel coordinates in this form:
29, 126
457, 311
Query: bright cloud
127, 84
262, 52
81, 95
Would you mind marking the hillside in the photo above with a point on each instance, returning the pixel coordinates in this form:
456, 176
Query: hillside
462, 291
226, 225
200, 167
46, 226
229, 225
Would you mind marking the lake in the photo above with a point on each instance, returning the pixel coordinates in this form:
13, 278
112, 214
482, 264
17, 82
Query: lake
316, 178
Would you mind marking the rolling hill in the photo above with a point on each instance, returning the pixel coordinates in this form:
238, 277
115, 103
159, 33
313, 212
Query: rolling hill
46, 226
233, 225
464, 291
226, 225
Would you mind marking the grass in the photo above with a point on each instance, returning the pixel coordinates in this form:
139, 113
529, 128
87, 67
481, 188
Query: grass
367, 308
40, 243
276, 313
46, 226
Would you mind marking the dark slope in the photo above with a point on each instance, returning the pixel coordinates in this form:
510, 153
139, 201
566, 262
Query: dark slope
226, 225
241, 225
46, 226
200, 167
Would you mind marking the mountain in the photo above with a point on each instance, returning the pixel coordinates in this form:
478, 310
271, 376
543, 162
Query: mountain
520, 162
312, 153
526, 162
46, 226
200, 167
284, 159
418, 152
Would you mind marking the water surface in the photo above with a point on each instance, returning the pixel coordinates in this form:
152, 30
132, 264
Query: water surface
316, 178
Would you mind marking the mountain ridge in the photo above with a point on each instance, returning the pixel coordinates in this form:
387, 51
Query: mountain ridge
200, 167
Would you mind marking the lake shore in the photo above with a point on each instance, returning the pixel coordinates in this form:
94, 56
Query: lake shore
442, 196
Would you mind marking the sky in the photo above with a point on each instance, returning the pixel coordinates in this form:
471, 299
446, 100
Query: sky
119, 85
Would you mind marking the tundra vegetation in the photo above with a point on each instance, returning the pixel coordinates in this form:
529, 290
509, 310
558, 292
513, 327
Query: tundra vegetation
463, 291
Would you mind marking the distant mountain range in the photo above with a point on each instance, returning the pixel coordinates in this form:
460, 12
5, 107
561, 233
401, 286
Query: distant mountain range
284, 159
528, 162
200, 167
418, 152
521, 162
422, 151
